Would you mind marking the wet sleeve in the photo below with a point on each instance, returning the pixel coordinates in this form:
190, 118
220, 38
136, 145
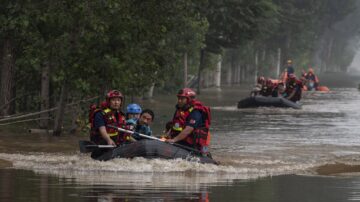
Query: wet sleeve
142, 129
147, 131
131, 122
195, 119
99, 120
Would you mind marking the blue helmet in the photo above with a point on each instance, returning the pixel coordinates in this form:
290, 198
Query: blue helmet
133, 109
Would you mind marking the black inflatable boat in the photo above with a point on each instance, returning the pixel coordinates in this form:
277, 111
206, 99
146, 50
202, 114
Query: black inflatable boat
261, 101
150, 149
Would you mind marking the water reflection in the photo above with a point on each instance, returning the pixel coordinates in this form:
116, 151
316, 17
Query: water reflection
20, 185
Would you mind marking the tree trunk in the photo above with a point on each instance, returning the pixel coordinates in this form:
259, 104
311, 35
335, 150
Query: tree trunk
263, 56
230, 72
75, 123
256, 67
237, 74
228, 75
150, 93
278, 63
185, 69
287, 48
202, 54
218, 74
246, 73
104, 83
240, 68
233, 74
262, 67
12, 102
7, 77
328, 54
206, 78
243, 73
45, 102
61, 110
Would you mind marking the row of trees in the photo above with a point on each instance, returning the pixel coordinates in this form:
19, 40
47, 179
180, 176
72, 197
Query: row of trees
60, 51
320, 33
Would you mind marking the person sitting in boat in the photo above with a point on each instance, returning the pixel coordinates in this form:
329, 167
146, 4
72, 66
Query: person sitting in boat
279, 90
260, 83
143, 124
293, 88
133, 112
109, 114
312, 80
191, 122
268, 88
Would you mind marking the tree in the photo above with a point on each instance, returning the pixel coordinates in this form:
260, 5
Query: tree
234, 23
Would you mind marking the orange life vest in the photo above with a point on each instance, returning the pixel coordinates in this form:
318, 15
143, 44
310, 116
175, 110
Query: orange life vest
110, 118
200, 136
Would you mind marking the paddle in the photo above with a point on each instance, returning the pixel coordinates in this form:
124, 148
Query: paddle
87, 146
154, 138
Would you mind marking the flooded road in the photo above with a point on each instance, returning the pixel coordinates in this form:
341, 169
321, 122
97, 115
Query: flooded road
266, 154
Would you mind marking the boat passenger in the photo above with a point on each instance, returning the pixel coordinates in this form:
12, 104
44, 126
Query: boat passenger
279, 90
109, 114
133, 112
293, 88
267, 89
259, 85
312, 80
191, 122
261, 80
143, 123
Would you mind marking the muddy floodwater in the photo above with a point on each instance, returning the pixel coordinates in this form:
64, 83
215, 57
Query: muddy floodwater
266, 154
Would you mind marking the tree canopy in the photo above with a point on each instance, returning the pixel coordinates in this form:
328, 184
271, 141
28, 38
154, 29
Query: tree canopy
92, 46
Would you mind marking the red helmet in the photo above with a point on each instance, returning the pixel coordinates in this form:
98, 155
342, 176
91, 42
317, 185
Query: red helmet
291, 79
186, 92
113, 94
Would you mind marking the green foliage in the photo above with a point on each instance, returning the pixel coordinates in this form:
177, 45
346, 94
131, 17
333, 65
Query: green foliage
234, 23
131, 44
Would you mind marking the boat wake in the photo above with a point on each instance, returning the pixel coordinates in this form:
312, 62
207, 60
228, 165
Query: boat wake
175, 172
232, 167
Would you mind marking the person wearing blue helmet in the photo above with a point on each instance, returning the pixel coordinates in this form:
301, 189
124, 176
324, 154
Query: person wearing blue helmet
133, 112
